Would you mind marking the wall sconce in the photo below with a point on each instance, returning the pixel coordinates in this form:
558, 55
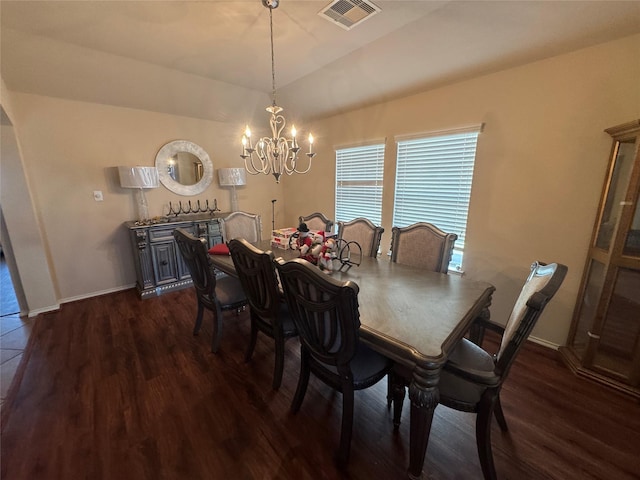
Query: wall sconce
140, 178
232, 177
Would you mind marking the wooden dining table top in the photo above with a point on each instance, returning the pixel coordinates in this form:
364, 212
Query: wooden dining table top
412, 315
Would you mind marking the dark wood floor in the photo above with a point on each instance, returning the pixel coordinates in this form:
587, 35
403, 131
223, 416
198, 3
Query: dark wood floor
117, 388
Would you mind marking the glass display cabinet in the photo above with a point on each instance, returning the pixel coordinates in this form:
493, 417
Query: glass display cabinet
604, 339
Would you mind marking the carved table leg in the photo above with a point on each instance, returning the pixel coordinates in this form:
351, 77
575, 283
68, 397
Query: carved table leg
476, 331
424, 395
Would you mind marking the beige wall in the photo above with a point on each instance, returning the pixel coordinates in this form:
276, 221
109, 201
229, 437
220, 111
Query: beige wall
71, 148
21, 231
540, 163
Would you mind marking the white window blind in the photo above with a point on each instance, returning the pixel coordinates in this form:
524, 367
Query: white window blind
433, 183
359, 172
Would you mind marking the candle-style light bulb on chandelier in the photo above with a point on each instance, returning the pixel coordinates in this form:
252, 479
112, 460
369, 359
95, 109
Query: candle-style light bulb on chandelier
276, 154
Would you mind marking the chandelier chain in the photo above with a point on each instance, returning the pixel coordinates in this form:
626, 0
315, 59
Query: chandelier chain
273, 58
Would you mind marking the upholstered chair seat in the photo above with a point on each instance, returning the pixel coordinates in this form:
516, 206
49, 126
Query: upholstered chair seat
467, 391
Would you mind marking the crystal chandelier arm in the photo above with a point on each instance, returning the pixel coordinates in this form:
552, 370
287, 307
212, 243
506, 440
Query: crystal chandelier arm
293, 168
251, 168
281, 150
259, 150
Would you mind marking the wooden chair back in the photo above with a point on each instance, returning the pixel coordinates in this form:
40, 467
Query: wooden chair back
325, 312
316, 222
257, 274
195, 256
541, 285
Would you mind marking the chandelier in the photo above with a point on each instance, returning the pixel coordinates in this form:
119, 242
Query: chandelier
276, 154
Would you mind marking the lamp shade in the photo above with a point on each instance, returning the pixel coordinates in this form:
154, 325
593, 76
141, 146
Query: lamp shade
232, 177
138, 177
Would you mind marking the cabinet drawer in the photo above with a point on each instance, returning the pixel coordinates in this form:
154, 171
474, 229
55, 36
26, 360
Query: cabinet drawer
166, 233
214, 228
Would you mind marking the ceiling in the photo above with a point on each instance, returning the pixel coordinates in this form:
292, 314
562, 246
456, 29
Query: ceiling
211, 59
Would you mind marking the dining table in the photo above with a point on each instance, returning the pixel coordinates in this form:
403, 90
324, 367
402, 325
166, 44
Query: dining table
414, 317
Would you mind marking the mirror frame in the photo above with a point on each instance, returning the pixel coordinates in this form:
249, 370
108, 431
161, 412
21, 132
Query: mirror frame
162, 164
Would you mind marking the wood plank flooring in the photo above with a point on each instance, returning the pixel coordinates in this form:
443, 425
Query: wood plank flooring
117, 388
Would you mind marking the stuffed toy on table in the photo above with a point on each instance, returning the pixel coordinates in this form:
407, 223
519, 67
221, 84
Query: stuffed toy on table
315, 249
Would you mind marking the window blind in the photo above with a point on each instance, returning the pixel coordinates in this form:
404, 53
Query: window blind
433, 182
359, 174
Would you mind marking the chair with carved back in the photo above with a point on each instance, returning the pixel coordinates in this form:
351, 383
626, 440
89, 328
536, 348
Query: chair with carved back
215, 294
268, 310
422, 245
472, 378
326, 315
362, 231
317, 222
241, 225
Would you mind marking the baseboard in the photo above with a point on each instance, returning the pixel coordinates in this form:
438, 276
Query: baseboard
38, 311
544, 343
531, 338
97, 294
55, 307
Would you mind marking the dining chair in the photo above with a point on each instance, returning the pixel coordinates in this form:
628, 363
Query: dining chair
325, 312
267, 307
241, 225
317, 222
215, 294
472, 378
363, 232
422, 245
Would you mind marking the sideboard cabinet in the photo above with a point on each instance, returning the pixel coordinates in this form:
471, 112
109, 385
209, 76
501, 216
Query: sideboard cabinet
158, 262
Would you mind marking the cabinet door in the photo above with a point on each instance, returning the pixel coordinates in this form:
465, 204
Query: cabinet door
165, 262
210, 231
215, 234
605, 334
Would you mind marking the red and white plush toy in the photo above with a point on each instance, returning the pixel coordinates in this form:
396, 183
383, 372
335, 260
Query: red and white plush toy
308, 243
327, 254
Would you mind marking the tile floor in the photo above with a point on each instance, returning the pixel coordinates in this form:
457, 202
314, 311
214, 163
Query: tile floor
14, 331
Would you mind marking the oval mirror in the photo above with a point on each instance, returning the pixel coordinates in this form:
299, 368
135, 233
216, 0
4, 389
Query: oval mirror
184, 167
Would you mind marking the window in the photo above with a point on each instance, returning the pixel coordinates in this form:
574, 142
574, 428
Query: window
359, 172
433, 182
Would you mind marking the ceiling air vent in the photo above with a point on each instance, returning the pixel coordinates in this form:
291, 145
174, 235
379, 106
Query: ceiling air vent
348, 13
